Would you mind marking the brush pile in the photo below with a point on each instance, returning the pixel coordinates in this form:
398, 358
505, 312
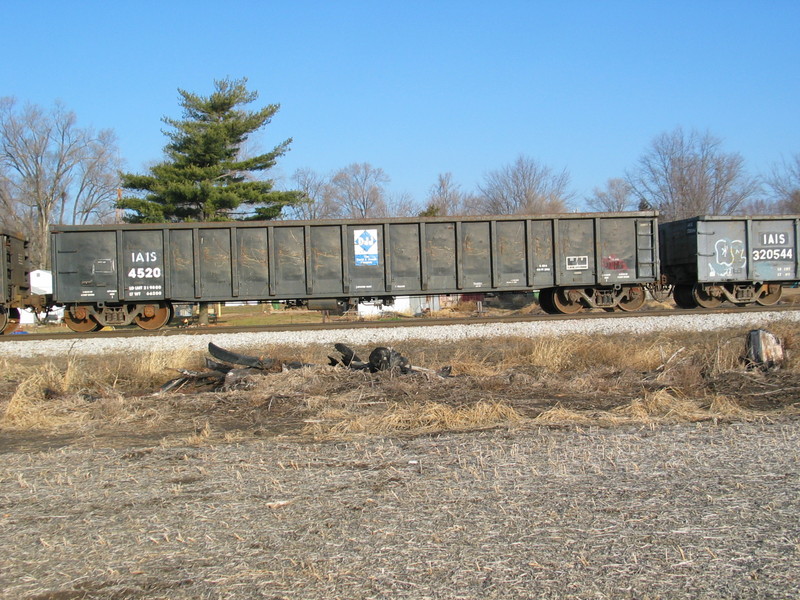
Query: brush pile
227, 370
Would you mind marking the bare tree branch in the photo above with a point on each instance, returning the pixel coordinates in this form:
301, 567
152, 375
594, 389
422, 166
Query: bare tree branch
525, 187
687, 175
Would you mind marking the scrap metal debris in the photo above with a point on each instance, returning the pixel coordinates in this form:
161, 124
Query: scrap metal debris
380, 359
239, 359
230, 370
764, 350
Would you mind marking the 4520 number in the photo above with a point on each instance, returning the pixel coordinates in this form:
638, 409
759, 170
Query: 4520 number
144, 273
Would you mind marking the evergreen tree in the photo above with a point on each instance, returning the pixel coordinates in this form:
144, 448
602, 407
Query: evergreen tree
205, 176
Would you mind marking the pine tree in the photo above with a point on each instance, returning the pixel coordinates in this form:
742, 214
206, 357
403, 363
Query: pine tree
205, 176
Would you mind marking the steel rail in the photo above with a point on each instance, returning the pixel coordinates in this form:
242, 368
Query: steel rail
376, 324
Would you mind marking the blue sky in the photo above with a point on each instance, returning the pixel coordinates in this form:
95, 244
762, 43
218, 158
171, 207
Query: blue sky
422, 88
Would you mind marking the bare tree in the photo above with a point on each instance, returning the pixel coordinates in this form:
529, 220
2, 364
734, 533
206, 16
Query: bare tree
445, 198
52, 171
687, 175
616, 197
318, 197
359, 189
784, 184
524, 187
401, 205
96, 181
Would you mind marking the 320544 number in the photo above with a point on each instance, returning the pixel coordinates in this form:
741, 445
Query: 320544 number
773, 254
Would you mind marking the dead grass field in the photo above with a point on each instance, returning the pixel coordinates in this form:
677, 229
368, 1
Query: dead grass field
600, 467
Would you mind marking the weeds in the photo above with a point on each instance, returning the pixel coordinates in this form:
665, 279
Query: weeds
577, 380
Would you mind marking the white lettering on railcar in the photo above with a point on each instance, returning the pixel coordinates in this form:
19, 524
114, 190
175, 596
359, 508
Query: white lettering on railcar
774, 239
144, 257
137, 291
144, 272
773, 254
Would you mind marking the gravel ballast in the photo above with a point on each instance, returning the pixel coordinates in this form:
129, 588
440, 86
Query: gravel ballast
392, 335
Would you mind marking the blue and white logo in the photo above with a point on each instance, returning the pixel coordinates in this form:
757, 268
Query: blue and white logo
366, 247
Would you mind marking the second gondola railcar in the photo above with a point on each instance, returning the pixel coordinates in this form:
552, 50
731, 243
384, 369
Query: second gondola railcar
739, 259
122, 274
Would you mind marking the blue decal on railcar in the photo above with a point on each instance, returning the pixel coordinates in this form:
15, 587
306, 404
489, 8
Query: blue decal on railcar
365, 247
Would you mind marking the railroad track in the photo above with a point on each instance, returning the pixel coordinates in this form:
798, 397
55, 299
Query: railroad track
136, 332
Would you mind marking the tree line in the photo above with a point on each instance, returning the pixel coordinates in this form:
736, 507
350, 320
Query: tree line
54, 171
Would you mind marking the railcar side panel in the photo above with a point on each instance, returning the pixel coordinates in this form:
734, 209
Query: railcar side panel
510, 253
617, 243
365, 250
405, 262
325, 260
542, 253
182, 265
142, 259
576, 256
215, 263
772, 254
252, 259
288, 249
439, 257
85, 266
476, 255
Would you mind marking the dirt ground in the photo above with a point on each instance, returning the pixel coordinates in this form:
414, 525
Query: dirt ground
681, 511
667, 477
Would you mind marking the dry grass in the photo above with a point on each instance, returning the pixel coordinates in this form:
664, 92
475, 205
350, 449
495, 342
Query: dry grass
416, 418
601, 380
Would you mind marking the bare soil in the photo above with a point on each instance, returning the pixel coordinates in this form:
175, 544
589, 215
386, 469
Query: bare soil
667, 470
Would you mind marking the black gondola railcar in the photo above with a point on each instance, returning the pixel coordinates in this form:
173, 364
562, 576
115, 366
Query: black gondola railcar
123, 274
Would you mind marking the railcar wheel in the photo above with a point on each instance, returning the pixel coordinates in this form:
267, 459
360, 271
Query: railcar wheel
705, 299
634, 299
9, 321
661, 293
682, 294
154, 316
565, 303
80, 321
772, 295
546, 301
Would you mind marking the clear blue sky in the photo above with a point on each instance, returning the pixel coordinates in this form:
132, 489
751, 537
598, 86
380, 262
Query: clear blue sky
422, 88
